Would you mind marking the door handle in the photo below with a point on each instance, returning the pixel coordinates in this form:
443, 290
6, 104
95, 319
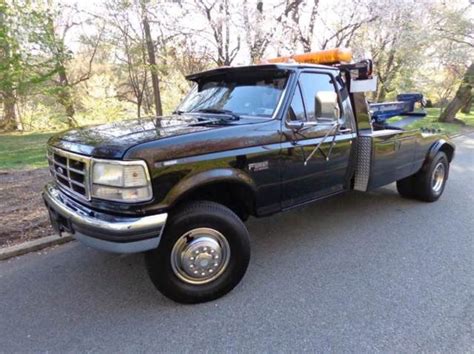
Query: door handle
344, 130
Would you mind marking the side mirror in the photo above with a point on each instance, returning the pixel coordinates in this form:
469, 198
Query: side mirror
327, 106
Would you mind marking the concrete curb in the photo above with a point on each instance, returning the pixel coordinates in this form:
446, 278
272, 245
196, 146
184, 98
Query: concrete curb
35, 245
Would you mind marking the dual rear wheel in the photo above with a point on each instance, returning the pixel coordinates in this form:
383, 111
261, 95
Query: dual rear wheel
428, 183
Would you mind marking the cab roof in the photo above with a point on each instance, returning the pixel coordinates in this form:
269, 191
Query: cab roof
257, 67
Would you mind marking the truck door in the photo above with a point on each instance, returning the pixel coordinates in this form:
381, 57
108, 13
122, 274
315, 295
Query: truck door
309, 172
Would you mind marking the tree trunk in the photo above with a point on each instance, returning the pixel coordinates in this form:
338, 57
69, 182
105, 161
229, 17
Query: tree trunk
152, 61
463, 95
65, 97
139, 108
9, 122
18, 117
381, 94
467, 107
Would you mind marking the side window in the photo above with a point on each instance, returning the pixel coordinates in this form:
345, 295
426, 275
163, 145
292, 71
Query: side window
296, 111
312, 84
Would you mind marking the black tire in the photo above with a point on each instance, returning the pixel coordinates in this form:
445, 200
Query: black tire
425, 187
406, 187
200, 214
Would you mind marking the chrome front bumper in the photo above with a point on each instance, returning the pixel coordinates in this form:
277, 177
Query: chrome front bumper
120, 234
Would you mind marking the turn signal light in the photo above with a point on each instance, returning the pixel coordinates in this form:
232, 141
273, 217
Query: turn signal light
328, 56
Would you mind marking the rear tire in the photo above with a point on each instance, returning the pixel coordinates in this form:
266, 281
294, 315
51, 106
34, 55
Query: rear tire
428, 183
203, 254
431, 181
406, 187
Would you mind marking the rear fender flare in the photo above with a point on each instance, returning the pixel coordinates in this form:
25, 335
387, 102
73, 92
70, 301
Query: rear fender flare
437, 146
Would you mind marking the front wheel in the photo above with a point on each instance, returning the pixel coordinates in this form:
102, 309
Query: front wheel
203, 254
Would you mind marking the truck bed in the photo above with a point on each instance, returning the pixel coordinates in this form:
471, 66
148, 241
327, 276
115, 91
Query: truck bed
385, 156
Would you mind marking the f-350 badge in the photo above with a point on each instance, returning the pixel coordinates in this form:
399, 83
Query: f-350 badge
258, 166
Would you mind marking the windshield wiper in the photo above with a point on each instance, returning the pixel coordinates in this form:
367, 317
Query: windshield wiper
227, 112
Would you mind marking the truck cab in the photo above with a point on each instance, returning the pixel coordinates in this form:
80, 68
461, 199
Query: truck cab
246, 141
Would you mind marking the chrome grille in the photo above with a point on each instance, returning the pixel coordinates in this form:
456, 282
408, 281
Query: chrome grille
70, 171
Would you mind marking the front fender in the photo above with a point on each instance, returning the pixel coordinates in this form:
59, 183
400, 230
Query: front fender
206, 178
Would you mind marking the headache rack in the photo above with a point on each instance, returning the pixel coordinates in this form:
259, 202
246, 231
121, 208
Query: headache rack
70, 171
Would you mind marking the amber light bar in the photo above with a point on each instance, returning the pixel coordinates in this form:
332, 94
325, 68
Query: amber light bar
328, 56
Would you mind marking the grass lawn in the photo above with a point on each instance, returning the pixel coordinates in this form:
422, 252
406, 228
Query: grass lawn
430, 122
23, 151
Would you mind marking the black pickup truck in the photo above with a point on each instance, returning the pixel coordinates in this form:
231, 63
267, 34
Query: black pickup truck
246, 141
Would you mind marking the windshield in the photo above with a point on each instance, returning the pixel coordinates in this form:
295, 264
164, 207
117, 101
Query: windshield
257, 94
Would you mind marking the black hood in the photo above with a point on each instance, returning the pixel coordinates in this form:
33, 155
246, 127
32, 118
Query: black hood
114, 139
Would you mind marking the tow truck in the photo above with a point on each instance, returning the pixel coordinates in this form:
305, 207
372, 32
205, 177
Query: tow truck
246, 141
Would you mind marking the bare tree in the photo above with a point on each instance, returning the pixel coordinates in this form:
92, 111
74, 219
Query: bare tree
55, 39
261, 24
127, 37
217, 15
257, 40
284, 32
126, 54
186, 58
386, 61
304, 24
151, 59
345, 32
305, 34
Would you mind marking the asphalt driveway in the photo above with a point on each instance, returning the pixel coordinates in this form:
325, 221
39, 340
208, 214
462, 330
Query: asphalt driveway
356, 273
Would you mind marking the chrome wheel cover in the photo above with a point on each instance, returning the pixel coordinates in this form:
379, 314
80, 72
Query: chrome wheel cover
437, 178
200, 256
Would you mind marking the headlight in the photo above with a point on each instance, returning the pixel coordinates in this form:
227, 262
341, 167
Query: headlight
124, 181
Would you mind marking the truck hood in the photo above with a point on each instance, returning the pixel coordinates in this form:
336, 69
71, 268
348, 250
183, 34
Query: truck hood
114, 139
